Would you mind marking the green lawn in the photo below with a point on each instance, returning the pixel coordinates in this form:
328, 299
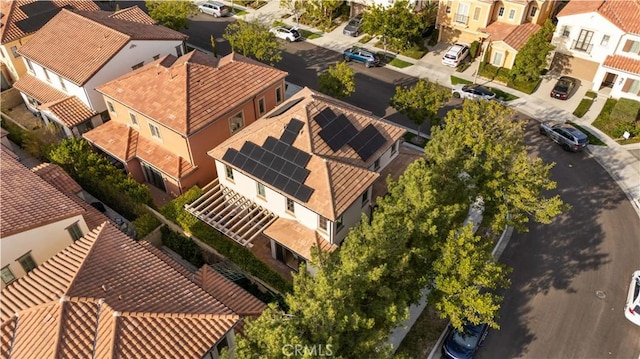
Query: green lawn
423, 335
583, 107
618, 116
399, 63
593, 140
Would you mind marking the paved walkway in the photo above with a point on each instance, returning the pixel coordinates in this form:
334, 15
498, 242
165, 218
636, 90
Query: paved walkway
622, 162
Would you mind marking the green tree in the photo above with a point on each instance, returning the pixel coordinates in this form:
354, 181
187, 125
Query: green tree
295, 6
398, 24
253, 39
321, 11
420, 102
338, 81
172, 14
532, 58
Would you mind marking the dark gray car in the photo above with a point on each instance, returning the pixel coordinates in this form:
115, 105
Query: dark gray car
353, 27
567, 136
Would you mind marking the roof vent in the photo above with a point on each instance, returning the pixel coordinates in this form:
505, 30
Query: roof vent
104, 287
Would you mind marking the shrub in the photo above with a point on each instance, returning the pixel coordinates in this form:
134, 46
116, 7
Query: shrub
16, 134
184, 246
433, 40
145, 224
473, 49
591, 95
626, 110
365, 39
583, 107
494, 73
526, 87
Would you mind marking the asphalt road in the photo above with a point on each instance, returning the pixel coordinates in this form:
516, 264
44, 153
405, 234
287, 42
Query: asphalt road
570, 278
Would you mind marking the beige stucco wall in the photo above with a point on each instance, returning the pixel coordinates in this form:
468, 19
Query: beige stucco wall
15, 64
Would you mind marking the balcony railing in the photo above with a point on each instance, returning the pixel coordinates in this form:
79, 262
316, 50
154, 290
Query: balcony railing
581, 46
461, 19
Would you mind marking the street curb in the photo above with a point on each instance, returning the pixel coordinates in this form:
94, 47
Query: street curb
438, 343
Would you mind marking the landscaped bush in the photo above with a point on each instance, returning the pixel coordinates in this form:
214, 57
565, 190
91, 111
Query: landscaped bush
185, 247
16, 134
416, 52
618, 116
365, 39
145, 224
526, 87
583, 107
494, 73
473, 49
239, 255
433, 40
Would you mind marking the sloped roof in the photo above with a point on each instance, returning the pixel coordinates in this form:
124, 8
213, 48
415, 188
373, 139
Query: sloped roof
124, 143
24, 17
39, 90
337, 178
71, 111
625, 14
513, 35
297, 237
106, 295
623, 63
27, 200
187, 93
77, 44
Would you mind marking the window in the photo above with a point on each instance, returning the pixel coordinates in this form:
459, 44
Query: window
2, 53
365, 197
605, 40
279, 95
339, 223
111, 108
134, 120
322, 223
155, 57
534, 11
46, 74
290, 205
462, 16
476, 13
7, 275
501, 11
137, 66
261, 107
29, 65
512, 14
236, 123
155, 131
497, 59
631, 86
260, 189
584, 41
376, 165
566, 31
14, 51
75, 231
632, 46
179, 50
448, 8
223, 344
394, 147
228, 172
27, 262
62, 85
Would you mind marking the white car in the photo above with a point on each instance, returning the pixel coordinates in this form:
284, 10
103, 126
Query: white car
472, 92
632, 308
284, 33
214, 8
455, 55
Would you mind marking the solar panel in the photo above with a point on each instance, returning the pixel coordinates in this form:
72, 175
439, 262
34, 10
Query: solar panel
270, 176
230, 155
299, 175
267, 158
338, 132
270, 143
288, 137
295, 125
304, 193
277, 164
288, 169
325, 117
292, 187
285, 107
260, 171
302, 158
281, 181
281, 148
367, 142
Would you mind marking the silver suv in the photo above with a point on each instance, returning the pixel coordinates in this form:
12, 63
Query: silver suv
567, 136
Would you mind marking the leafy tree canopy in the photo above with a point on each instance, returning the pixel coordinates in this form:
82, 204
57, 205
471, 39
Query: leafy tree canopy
338, 81
421, 101
253, 39
172, 14
532, 58
398, 24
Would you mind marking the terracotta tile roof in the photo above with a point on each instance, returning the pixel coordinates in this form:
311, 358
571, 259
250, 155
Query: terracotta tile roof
76, 45
297, 237
70, 111
623, 63
134, 14
190, 92
39, 90
227, 292
337, 178
107, 295
513, 35
625, 14
24, 17
124, 143
395, 169
28, 201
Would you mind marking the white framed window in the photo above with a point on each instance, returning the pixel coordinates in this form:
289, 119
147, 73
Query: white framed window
260, 190
476, 13
497, 59
566, 31
74, 231
512, 14
365, 197
155, 131
46, 74
394, 148
14, 51
29, 65
633, 87
279, 95
236, 123
323, 223
179, 51
261, 107
27, 262
137, 66
62, 85
376, 165
110, 107
635, 47
501, 11
7, 275
291, 206
134, 119
462, 15
228, 171
534, 11
605, 40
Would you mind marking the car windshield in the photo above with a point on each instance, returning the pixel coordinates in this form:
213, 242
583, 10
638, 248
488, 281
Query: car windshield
354, 22
466, 339
484, 91
562, 86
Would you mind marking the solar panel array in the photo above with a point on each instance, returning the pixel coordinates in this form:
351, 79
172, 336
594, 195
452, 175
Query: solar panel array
276, 163
324, 117
338, 132
285, 107
367, 142
291, 131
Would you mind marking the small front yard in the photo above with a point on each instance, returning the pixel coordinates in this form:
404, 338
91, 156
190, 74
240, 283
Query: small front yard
501, 74
618, 117
585, 104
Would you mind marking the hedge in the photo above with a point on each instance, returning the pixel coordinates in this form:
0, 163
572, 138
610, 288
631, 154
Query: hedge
184, 246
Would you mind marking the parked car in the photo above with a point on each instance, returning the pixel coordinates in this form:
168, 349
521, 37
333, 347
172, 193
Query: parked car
288, 34
472, 92
353, 27
567, 136
455, 55
632, 308
357, 54
564, 86
217, 9
464, 344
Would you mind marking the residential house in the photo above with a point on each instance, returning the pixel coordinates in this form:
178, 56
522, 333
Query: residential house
301, 176
19, 20
169, 113
599, 42
37, 219
502, 26
77, 51
108, 296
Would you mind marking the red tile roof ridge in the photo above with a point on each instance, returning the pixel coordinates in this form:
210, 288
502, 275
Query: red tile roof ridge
329, 179
134, 14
